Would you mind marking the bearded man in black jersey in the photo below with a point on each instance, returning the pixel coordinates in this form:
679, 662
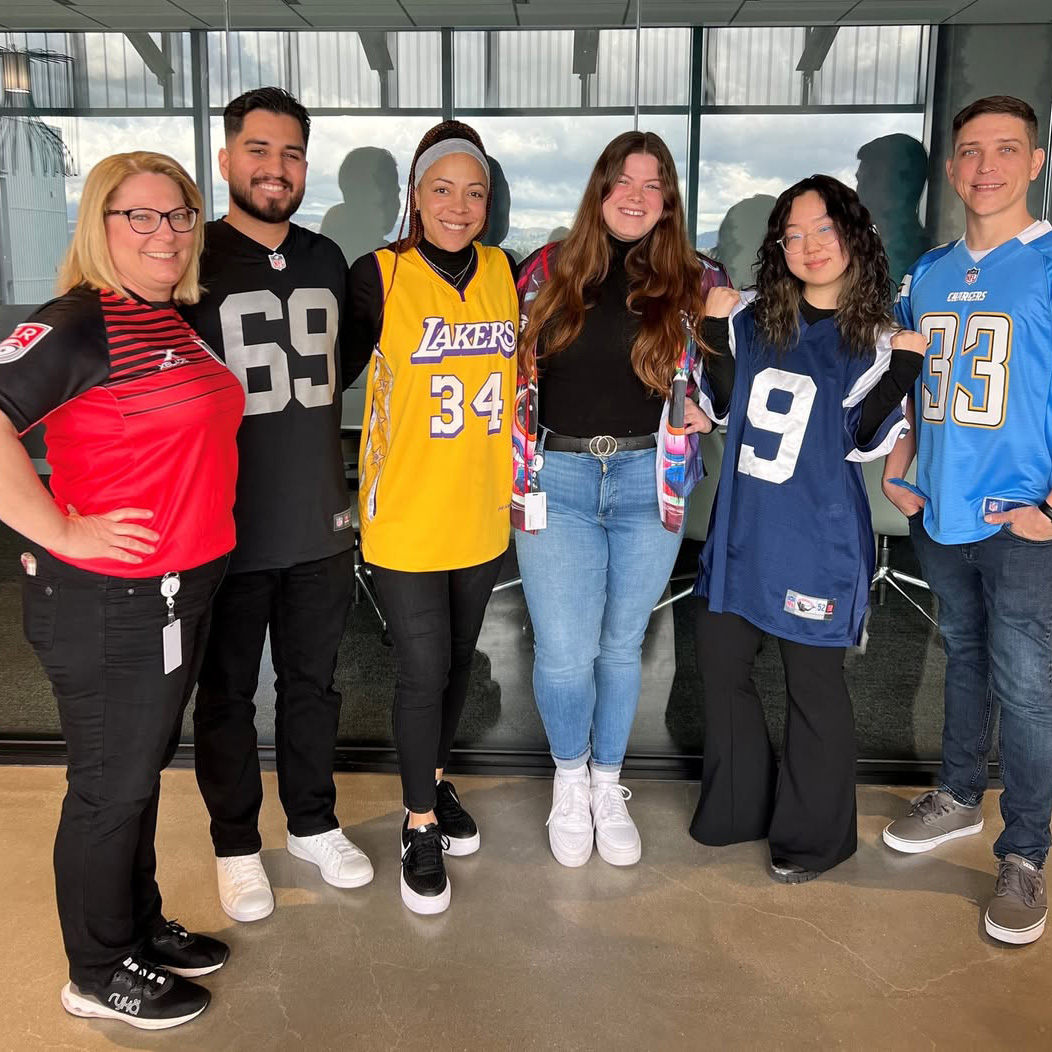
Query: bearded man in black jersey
275, 311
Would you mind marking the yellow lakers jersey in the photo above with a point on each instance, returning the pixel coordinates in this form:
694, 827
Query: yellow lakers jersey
435, 465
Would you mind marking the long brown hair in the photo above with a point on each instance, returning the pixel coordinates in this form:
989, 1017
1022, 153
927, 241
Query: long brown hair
664, 272
864, 304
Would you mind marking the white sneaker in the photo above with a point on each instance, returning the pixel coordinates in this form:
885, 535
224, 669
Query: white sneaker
570, 820
616, 835
342, 864
244, 890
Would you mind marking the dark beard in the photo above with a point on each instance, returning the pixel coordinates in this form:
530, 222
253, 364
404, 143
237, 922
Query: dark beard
273, 212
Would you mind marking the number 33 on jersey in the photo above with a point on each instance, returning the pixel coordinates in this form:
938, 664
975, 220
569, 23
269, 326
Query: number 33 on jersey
984, 397
435, 467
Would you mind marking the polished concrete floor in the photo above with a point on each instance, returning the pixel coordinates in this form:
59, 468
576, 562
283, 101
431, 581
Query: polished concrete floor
694, 948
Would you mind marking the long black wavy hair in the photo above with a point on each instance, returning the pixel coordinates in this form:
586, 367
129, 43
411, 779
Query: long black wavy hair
864, 306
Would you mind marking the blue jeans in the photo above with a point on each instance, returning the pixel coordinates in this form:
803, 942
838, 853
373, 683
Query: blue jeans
995, 616
591, 579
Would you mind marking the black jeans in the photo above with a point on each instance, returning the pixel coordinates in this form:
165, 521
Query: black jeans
305, 606
434, 619
99, 640
806, 807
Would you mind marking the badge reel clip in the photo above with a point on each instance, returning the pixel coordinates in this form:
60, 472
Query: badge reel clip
171, 635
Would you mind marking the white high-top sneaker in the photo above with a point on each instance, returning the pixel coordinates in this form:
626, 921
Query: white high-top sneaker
616, 835
244, 890
570, 821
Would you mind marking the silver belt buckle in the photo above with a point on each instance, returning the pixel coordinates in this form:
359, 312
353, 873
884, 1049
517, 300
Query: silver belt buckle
602, 445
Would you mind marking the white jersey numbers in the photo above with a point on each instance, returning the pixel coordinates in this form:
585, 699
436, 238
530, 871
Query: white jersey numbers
448, 422
986, 346
791, 423
487, 404
247, 361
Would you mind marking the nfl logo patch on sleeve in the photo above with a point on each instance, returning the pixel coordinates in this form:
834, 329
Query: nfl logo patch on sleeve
23, 339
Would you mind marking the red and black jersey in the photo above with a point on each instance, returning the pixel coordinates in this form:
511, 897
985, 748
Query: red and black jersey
277, 320
138, 413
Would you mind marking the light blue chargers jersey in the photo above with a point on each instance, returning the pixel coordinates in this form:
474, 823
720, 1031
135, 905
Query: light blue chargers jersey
984, 396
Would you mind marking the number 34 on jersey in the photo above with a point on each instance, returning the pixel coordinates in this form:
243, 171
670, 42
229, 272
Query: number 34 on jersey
487, 403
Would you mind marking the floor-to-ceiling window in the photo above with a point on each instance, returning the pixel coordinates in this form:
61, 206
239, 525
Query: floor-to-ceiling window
745, 112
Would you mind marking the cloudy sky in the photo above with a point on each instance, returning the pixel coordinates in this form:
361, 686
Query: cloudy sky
546, 159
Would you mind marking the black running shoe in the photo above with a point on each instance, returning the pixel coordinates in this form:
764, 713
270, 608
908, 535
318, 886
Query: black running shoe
184, 953
457, 826
786, 872
425, 887
144, 997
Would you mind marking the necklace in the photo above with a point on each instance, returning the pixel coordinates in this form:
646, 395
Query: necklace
453, 279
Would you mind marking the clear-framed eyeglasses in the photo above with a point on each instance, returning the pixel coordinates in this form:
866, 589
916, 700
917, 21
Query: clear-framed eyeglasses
148, 220
794, 243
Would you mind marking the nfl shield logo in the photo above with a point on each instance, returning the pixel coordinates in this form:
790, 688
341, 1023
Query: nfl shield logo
277, 261
971, 276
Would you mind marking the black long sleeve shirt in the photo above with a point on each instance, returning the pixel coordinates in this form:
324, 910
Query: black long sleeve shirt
590, 388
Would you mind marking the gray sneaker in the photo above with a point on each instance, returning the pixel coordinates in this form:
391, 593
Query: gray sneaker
1016, 913
933, 818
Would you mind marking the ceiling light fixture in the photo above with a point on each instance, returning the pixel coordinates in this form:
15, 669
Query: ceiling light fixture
15, 69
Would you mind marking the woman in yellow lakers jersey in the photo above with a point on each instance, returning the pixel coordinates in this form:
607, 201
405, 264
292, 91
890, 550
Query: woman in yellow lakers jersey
440, 311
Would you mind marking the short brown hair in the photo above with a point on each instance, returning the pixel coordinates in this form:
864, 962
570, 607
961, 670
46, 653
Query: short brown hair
88, 261
1008, 105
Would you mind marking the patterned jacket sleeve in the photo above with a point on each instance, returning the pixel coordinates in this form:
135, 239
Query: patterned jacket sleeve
534, 271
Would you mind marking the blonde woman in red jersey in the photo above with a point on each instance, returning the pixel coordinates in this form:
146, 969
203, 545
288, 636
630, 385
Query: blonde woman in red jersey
122, 564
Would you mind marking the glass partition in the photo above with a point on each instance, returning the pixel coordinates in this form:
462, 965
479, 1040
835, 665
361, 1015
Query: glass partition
745, 111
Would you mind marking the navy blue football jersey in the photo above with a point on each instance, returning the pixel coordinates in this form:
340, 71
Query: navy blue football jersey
790, 545
984, 396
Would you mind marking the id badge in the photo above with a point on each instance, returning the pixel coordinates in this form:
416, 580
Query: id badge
172, 642
536, 507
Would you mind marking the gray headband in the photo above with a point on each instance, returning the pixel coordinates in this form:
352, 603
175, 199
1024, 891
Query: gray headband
444, 149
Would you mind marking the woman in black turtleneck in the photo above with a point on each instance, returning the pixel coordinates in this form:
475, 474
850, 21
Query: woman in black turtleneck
438, 313
603, 337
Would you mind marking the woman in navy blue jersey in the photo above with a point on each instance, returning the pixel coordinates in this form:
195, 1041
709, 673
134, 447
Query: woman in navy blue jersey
810, 380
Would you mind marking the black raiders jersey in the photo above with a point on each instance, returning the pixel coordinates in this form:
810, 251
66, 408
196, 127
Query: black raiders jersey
276, 319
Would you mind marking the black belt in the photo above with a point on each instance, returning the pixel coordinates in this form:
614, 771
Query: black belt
597, 445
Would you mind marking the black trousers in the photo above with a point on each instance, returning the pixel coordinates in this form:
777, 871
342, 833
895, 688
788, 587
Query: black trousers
805, 807
305, 607
434, 620
99, 640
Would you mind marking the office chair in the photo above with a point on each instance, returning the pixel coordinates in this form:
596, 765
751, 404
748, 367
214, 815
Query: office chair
888, 521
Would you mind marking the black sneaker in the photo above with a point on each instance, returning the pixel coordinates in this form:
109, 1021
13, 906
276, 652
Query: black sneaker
182, 953
144, 997
786, 872
457, 826
425, 887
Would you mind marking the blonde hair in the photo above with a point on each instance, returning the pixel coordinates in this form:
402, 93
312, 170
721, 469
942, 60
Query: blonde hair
88, 260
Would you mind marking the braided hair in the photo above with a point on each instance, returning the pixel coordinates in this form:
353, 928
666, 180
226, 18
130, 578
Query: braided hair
439, 133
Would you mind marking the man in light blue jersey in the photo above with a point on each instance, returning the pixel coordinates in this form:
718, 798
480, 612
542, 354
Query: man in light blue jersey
981, 511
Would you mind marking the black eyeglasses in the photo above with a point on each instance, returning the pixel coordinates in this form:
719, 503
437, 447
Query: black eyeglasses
148, 220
